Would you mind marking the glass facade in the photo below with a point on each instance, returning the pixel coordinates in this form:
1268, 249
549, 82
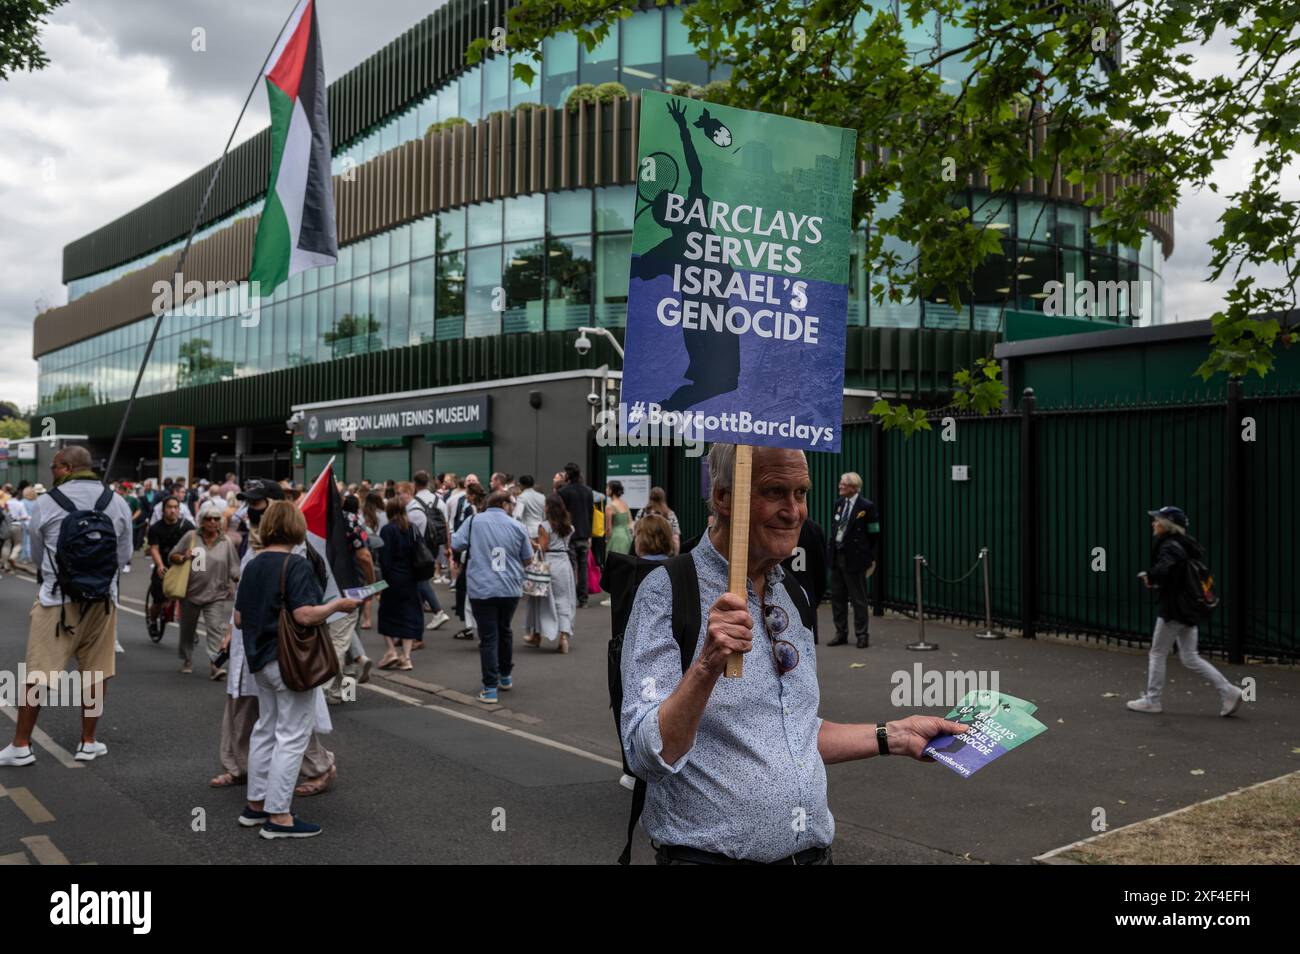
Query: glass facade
1042, 241
556, 261
523, 264
82, 286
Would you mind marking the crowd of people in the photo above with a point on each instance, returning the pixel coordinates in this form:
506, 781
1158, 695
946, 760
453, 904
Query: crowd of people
236, 563
542, 549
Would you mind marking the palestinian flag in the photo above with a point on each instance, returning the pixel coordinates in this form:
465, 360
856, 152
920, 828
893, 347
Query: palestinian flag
327, 533
296, 231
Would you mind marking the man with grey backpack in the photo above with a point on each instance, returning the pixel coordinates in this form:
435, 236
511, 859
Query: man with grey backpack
1186, 598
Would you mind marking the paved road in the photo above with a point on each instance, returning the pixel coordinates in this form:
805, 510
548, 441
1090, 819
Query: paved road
425, 771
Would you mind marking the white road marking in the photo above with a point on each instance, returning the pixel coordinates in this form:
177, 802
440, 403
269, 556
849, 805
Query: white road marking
28, 804
45, 742
44, 850
125, 609
540, 740
66, 759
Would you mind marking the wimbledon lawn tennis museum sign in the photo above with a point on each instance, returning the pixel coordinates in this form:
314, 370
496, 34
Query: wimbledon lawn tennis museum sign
432, 417
738, 288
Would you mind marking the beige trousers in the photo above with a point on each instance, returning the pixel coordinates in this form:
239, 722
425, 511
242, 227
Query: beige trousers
236, 729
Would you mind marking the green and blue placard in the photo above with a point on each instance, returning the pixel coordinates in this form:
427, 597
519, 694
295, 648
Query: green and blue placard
739, 277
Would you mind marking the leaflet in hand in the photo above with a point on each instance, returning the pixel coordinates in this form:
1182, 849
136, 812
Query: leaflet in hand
365, 592
998, 723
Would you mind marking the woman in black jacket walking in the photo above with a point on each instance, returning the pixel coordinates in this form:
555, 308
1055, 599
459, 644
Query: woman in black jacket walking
1174, 624
401, 618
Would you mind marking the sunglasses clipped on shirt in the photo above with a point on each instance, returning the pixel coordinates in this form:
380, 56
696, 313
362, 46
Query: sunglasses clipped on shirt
784, 653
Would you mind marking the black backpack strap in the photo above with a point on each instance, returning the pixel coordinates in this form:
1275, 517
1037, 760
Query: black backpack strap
638, 806
60, 498
104, 498
686, 605
686, 633
800, 599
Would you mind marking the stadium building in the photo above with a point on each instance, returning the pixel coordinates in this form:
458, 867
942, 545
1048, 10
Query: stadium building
404, 354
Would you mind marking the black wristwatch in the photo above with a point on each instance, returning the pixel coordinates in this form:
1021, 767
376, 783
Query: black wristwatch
882, 739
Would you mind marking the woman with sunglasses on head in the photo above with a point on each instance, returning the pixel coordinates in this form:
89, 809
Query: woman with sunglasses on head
214, 571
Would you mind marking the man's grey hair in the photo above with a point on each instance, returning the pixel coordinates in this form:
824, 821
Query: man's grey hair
722, 464
75, 456
852, 478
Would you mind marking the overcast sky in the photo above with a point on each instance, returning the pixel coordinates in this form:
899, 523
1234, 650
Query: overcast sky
127, 107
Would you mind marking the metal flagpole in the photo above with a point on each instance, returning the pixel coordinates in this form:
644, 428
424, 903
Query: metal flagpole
180, 265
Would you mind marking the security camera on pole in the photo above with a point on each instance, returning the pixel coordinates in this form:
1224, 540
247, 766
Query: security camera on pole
738, 288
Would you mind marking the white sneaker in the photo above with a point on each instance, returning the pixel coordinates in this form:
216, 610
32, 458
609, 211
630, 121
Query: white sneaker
89, 751
117, 646
126, 568
1231, 702
1143, 704
628, 782
12, 755
438, 620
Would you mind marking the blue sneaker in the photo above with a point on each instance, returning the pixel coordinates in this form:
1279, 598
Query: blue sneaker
299, 829
488, 696
506, 683
251, 817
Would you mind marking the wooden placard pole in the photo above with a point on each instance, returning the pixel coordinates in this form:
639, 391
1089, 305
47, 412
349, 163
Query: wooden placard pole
738, 549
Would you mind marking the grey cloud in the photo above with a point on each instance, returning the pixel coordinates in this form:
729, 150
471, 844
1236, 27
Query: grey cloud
238, 35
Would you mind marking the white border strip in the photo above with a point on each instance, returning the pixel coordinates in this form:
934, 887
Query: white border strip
1149, 821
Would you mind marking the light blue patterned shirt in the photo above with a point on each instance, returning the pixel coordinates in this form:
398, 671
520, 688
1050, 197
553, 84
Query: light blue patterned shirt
498, 550
753, 786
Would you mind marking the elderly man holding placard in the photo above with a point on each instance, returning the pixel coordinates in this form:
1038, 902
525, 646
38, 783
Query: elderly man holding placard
735, 769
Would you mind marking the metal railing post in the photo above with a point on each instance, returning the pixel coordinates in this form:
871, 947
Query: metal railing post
989, 631
920, 645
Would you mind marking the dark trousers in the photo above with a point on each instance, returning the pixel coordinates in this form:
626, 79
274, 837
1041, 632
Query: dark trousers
849, 586
578, 557
677, 855
429, 597
496, 647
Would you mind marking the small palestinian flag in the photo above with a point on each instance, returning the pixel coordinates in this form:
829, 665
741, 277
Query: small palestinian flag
327, 533
296, 231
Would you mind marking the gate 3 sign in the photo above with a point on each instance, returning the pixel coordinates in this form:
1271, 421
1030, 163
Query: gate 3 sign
738, 290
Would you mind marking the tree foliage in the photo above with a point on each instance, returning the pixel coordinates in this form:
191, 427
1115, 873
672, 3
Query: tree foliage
1021, 72
20, 34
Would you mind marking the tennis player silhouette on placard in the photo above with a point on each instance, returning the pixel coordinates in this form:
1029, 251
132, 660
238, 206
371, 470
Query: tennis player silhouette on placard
714, 366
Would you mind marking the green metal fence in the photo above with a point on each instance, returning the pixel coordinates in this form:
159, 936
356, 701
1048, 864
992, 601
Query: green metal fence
1060, 500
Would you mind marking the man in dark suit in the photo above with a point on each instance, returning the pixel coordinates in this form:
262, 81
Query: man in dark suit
851, 555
